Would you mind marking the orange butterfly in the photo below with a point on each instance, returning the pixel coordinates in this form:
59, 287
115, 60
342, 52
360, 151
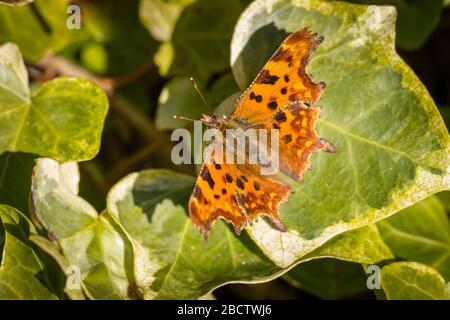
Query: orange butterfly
277, 99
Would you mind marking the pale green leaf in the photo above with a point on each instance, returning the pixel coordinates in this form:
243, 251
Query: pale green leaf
392, 145
90, 242
420, 233
416, 20
412, 281
61, 119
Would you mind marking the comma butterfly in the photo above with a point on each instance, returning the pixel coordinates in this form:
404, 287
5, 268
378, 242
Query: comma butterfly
279, 98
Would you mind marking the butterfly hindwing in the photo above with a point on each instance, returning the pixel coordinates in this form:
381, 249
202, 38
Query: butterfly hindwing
261, 194
298, 137
236, 193
214, 194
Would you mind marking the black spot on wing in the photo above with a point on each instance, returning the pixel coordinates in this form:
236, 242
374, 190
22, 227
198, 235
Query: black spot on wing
206, 176
287, 138
272, 105
266, 78
229, 178
258, 98
239, 184
280, 116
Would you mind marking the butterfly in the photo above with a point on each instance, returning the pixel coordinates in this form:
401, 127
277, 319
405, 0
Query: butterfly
279, 98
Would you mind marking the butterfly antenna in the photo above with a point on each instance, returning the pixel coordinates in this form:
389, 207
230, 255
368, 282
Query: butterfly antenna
194, 84
176, 116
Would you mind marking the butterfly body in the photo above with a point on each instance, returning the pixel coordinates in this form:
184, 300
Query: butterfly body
277, 100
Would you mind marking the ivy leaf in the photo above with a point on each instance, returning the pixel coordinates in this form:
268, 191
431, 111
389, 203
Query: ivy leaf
392, 145
191, 267
43, 27
413, 281
62, 119
420, 233
416, 20
92, 243
22, 273
329, 278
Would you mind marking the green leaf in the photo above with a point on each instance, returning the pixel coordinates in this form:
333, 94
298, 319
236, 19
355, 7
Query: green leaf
92, 243
420, 233
191, 267
363, 245
42, 28
160, 16
62, 119
416, 20
22, 274
392, 146
15, 179
201, 48
329, 278
140, 193
413, 281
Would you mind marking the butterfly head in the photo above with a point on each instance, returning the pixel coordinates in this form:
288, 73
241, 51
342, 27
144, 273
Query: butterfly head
214, 121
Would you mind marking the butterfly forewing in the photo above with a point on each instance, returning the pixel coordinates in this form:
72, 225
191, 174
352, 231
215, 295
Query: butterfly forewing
282, 80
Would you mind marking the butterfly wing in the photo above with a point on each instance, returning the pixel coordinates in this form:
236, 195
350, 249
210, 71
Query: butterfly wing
235, 193
239, 193
260, 195
282, 80
298, 137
